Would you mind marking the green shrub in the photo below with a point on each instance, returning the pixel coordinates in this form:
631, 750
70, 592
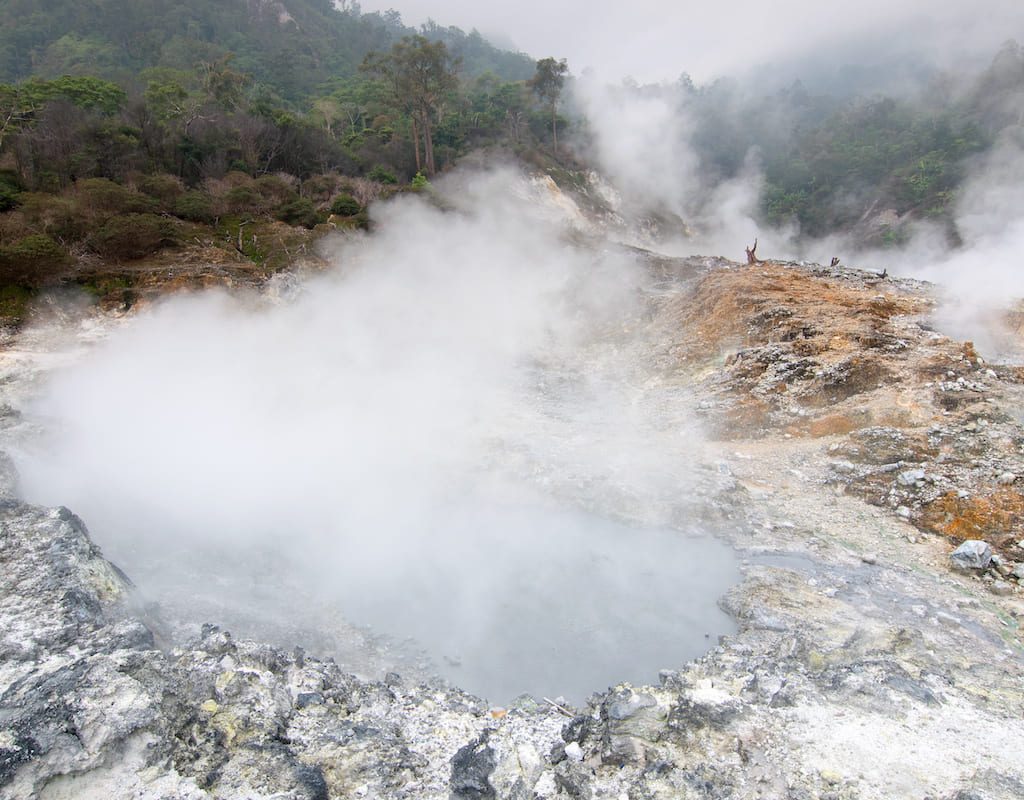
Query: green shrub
195, 207
106, 197
10, 188
274, 190
319, 188
300, 211
243, 198
165, 188
8, 196
130, 236
381, 174
420, 182
14, 302
55, 216
238, 177
99, 194
32, 260
140, 204
345, 205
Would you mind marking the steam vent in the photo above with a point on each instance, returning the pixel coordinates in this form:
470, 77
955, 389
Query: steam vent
377, 421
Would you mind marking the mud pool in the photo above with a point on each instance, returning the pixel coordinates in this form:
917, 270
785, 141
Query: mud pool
572, 605
508, 600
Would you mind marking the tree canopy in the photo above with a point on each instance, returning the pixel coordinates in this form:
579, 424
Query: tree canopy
293, 46
547, 83
419, 76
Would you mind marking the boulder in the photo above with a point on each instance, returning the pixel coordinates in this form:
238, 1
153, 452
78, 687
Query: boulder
973, 554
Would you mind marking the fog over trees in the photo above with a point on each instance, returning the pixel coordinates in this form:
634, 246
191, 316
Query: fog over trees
139, 113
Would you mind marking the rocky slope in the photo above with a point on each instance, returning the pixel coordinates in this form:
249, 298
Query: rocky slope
853, 448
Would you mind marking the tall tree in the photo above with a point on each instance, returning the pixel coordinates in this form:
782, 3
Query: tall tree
419, 75
547, 84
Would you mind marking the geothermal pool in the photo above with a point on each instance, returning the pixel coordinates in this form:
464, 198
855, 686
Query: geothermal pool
500, 601
558, 603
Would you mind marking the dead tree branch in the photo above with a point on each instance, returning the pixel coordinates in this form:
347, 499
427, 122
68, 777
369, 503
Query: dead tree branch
752, 254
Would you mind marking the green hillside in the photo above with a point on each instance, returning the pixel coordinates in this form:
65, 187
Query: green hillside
293, 46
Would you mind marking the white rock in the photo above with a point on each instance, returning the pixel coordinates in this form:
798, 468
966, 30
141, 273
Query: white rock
546, 786
1006, 479
574, 752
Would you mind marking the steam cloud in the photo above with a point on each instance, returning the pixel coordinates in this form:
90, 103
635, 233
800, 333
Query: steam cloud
393, 436
983, 277
641, 137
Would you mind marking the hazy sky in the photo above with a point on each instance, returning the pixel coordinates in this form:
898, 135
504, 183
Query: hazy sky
654, 39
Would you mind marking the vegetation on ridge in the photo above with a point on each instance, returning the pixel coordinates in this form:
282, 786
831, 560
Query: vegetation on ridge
129, 127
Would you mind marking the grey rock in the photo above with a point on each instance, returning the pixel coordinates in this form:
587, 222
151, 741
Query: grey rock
472, 767
910, 477
631, 720
574, 780
1001, 588
9, 489
578, 729
973, 554
704, 708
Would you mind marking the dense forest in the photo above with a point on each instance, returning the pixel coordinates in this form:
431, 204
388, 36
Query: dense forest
295, 48
125, 125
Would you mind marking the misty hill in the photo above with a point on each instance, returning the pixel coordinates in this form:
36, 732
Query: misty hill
833, 160
292, 46
131, 128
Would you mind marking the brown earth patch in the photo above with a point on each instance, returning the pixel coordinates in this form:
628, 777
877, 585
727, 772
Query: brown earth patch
998, 517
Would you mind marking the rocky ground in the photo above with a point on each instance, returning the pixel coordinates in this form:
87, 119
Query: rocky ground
852, 448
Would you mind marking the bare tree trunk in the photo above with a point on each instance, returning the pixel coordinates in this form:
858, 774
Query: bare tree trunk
752, 254
428, 145
416, 143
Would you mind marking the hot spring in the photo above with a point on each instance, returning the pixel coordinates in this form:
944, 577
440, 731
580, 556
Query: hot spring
412, 461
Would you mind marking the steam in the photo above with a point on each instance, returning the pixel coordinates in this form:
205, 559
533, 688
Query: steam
981, 279
413, 430
639, 140
642, 138
383, 380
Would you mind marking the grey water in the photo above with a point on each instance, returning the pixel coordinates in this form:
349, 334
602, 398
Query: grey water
567, 604
499, 600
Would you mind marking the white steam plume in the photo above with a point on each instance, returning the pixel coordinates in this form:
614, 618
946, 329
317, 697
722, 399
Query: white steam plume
982, 278
641, 139
389, 439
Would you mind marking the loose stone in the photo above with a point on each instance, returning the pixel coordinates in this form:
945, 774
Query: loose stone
973, 554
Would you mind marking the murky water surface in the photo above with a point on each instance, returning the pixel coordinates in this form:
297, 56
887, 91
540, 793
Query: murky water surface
572, 605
